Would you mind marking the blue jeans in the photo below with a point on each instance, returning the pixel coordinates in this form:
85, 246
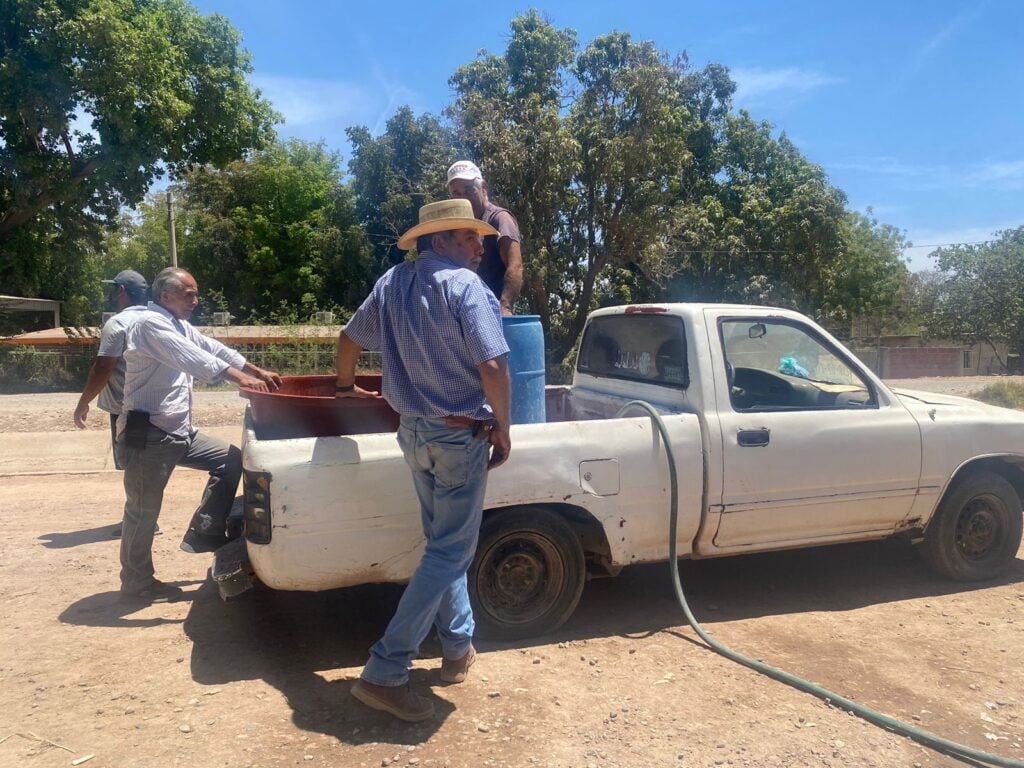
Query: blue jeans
449, 469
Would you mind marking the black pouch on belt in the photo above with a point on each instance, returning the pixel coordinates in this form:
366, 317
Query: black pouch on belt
135, 429
482, 428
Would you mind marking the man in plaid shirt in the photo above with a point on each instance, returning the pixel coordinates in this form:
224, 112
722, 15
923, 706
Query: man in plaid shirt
445, 371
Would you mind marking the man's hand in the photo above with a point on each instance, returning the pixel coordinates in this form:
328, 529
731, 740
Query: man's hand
501, 446
506, 311
270, 378
356, 391
81, 413
251, 382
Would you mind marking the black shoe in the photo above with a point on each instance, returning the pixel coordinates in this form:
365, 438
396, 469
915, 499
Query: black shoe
116, 533
156, 592
195, 542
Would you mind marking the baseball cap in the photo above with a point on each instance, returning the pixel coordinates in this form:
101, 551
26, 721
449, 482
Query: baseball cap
464, 169
130, 279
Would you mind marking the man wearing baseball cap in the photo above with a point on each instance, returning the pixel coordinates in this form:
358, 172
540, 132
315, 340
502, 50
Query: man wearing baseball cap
128, 294
445, 371
501, 267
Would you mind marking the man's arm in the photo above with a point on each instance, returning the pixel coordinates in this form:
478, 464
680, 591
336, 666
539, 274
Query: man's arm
165, 345
345, 360
99, 374
498, 390
512, 255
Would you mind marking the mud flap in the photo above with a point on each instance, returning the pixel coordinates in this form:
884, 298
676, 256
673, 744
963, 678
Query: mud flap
231, 572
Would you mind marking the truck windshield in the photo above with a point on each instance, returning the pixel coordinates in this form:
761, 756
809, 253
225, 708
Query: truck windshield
648, 348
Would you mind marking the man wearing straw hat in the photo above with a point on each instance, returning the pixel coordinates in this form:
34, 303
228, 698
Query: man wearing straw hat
445, 372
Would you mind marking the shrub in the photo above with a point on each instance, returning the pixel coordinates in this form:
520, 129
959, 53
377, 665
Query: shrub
27, 369
1007, 394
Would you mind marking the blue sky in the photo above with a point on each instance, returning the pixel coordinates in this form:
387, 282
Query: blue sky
914, 109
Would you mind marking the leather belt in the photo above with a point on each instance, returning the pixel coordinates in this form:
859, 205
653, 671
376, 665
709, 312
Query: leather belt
481, 427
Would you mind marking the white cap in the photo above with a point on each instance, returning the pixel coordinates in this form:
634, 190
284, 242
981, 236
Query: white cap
464, 169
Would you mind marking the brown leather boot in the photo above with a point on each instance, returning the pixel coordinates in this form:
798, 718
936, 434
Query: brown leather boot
396, 700
456, 670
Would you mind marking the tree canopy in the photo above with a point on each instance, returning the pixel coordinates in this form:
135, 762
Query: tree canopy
276, 236
97, 99
632, 177
633, 180
981, 296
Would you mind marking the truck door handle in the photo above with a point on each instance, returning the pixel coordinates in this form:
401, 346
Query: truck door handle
753, 437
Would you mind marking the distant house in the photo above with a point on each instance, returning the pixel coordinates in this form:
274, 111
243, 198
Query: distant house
911, 357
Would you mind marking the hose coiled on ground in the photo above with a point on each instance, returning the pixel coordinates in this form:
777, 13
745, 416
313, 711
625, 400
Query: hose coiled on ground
930, 740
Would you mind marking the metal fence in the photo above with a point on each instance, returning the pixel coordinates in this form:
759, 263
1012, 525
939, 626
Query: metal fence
65, 367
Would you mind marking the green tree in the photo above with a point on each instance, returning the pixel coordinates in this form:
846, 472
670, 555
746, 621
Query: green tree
870, 277
633, 181
276, 235
594, 184
767, 228
97, 99
508, 113
981, 298
396, 173
139, 239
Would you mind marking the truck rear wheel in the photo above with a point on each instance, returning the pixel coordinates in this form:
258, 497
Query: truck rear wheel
976, 530
527, 576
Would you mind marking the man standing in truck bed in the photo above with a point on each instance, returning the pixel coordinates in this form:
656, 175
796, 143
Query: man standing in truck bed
445, 372
501, 267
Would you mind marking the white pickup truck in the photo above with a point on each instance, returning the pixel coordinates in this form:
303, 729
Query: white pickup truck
781, 437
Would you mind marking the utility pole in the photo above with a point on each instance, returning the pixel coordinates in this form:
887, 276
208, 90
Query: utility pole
170, 227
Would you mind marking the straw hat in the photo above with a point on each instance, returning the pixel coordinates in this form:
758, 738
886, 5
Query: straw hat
445, 216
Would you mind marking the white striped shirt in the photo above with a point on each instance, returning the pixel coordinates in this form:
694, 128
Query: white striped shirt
162, 356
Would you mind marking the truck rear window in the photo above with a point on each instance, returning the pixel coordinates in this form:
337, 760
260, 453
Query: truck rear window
648, 348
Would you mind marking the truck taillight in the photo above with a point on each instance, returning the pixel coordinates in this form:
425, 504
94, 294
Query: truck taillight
257, 506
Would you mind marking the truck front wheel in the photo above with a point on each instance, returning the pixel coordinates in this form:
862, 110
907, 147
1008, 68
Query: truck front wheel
527, 576
976, 530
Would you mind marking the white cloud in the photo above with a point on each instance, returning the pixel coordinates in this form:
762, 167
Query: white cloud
755, 86
1003, 175
308, 101
320, 107
921, 56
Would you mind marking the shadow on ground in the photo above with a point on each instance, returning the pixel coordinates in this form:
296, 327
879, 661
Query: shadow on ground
288, 639
64, 540
112, 609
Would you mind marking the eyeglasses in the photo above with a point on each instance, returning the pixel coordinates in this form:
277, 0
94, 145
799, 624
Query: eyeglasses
189, 294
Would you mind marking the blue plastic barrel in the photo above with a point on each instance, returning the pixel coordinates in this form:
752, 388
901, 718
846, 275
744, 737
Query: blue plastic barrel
525, 339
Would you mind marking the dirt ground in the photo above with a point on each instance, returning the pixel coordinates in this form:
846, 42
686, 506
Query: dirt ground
263, 680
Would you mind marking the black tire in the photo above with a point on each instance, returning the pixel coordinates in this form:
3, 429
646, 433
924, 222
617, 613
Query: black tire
527, 576
976, 531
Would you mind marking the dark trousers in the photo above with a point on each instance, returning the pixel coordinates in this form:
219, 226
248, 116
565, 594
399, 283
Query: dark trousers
113, 441
146, 473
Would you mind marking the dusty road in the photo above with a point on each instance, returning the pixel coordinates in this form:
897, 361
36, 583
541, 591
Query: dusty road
263, 681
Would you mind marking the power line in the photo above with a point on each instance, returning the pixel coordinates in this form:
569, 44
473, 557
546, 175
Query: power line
947, 245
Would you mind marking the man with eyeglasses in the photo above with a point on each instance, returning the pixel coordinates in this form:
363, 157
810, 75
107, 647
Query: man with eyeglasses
163, 354
128, 294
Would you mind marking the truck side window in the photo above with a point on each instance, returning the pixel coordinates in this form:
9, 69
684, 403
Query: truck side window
646, 348
781, 365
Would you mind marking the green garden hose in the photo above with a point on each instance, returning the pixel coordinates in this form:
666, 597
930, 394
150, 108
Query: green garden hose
939, 744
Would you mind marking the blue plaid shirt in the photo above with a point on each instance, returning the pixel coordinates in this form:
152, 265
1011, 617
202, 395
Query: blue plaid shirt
433, 323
